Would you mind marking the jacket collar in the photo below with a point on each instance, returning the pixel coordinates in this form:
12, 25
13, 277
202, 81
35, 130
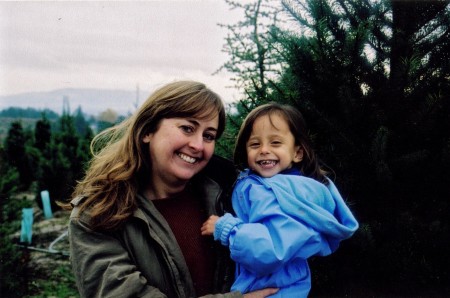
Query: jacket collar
208, 190
291, 171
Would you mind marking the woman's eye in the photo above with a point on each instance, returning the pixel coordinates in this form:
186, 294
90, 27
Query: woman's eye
209, 137
187, 128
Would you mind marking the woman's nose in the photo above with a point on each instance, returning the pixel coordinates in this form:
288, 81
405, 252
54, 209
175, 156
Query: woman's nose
196, 142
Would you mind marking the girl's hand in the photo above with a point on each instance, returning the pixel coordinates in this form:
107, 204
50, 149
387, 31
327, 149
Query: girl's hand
208, 226
261, 293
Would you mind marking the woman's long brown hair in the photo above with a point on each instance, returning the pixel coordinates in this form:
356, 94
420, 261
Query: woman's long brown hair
121, 163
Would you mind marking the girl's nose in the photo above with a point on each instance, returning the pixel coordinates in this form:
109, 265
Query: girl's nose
264, 149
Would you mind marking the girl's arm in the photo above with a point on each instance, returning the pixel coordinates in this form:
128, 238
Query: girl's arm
271, 238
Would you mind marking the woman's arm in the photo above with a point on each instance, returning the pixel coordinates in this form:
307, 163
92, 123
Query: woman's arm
102, 267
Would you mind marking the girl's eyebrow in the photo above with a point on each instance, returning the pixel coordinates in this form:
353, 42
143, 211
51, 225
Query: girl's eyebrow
275, 135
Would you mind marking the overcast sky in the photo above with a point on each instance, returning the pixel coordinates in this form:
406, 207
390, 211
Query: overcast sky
112, 45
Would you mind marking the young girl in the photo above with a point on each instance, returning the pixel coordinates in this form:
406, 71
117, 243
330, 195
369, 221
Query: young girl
287, 209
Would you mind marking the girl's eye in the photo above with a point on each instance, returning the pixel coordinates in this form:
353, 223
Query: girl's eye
209, 137
253, 145
276, 143
187, 128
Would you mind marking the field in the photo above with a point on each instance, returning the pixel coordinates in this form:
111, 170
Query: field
48, 272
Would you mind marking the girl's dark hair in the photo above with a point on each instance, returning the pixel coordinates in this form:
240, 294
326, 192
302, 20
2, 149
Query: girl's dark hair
309, 165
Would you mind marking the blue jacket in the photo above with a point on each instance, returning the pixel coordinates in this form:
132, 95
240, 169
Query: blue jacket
281, 222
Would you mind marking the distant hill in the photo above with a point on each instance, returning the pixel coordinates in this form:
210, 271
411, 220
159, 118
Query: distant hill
92, 101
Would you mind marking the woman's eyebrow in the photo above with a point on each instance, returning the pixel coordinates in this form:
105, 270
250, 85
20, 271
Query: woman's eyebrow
212, 129
197, 124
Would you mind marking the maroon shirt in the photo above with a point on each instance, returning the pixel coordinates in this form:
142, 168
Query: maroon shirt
185, 216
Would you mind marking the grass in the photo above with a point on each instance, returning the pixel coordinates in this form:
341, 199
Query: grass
60, 283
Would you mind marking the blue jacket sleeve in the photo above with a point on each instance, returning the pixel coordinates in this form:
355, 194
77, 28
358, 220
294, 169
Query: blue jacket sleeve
223, 227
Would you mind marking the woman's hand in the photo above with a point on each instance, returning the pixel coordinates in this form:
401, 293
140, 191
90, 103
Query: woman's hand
208, 226
261, 293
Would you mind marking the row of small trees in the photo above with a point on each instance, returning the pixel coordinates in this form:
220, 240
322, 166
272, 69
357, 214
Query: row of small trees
46, 158
372, 80
49, 156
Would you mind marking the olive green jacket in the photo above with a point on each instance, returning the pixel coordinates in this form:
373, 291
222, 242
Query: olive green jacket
142, 258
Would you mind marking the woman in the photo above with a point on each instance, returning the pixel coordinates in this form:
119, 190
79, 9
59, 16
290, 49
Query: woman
135, 225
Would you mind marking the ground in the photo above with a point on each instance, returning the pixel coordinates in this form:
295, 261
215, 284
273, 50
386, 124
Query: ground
49, 274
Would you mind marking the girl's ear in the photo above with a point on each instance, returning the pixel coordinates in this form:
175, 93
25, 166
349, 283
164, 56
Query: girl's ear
298, 157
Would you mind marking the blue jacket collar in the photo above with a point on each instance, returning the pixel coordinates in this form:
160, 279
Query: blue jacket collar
291, 171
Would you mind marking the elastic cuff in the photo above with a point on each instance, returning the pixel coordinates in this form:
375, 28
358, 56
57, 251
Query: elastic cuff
224, 226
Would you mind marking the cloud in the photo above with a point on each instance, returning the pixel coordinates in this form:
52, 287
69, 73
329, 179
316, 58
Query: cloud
82, 44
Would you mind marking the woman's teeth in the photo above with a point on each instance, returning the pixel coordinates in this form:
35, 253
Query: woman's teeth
187, 158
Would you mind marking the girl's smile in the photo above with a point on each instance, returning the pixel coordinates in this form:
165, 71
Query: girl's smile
271, 146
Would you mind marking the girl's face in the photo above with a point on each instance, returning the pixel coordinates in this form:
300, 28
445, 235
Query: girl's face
271, 149
179, 149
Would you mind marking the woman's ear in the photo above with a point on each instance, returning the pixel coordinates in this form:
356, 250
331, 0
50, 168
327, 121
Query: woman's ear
147, 138
298, 157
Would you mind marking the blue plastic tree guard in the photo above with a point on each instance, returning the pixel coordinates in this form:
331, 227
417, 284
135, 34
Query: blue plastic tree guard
26, 231
45, 196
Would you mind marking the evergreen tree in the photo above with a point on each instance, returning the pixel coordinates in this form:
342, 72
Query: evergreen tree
16, 154
81, 125
372, 80
42, 133
9, 176
63, 161
13, 261
382, 113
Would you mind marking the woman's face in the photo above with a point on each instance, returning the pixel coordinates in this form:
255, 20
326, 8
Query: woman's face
180, 148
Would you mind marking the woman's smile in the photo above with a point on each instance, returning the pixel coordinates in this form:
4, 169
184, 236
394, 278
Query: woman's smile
179, 149
187, 158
